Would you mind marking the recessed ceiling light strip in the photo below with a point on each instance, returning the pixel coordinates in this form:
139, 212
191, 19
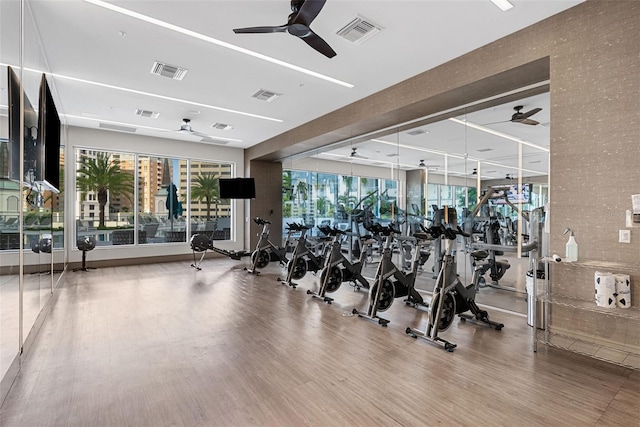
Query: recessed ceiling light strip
211, 40
424, 150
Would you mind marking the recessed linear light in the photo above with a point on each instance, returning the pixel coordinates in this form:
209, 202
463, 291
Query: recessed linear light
211, 40
504, 5
153, 95
142, 127
496, 133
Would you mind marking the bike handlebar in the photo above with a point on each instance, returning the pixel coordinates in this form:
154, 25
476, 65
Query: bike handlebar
261, 221
440, 230
385, 230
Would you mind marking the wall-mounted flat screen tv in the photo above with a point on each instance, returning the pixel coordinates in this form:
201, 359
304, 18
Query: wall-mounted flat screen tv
33, 153
49, 138
237, 188
513, 195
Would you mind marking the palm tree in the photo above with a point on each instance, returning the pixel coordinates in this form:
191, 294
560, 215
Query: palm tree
322, 205
303, 192
287, 188
103, 176
206, 188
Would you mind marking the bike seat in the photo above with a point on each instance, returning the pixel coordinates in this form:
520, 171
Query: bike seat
479, 255
421, 236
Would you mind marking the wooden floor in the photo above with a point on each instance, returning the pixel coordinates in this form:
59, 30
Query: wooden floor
166, 345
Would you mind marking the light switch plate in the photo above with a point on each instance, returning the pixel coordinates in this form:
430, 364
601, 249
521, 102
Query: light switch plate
625, 236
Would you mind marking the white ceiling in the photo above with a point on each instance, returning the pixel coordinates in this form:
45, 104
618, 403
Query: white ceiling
85, 41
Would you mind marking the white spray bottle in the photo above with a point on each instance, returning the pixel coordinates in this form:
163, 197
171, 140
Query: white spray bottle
571, 253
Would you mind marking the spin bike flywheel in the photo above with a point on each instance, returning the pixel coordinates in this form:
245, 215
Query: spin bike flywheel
335, 278
263, 258
448, 312
387, 294
299, 268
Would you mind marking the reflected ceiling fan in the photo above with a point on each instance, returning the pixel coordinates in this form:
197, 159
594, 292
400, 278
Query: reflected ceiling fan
354, 153
303, 13
186, 129
520, 117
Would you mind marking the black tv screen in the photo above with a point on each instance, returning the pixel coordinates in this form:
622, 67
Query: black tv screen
237, 188
13, 86
33, 153
49, 137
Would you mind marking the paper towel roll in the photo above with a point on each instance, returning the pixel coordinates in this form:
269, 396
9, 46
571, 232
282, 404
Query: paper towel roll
623, 290
623, 283
605, 289
623, 300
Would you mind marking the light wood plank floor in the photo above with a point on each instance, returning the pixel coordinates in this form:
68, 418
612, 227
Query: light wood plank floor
166, 345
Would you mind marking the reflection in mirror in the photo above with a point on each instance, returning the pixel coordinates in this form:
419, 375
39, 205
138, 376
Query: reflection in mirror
453, 161
10, 196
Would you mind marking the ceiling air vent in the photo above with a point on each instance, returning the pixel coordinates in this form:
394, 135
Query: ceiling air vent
484, 150
416, 132
166, 70
214, 141
265, 95
117, 128
358, 30
147, 113
221, 126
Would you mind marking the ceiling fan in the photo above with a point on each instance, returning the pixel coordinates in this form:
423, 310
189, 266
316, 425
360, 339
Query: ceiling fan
187, 130
520, 117
354, 153
303, 13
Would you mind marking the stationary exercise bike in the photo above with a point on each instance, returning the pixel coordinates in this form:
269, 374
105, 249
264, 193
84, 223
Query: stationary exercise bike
390, 281
497, 267
266, 251
451, 296
303, 258
338, 269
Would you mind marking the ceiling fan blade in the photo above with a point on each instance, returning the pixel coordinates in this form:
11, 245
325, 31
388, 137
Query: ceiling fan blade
528, 122
261, 30
308, 12
200, 134
530, 113
316, 42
